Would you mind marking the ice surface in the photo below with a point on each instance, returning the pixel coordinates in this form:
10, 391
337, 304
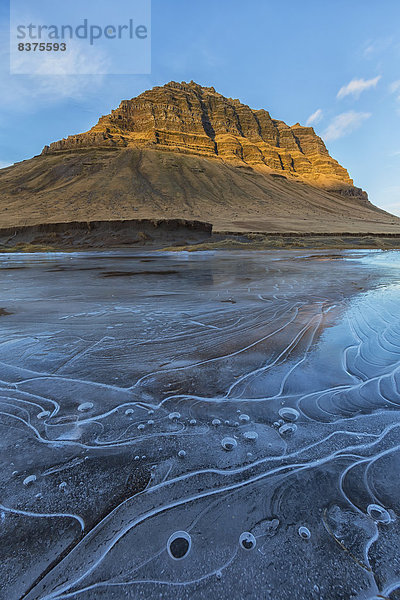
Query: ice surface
201, 425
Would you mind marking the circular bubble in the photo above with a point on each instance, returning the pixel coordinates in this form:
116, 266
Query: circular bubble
129, 411
215, 422
150, 422
179, 544
140, 426
228, 443
251, 436
289, 414
85, 406
243, 418
181, 454
192, 422
304, 532
378, 513
287, 429
174, 416
247, 540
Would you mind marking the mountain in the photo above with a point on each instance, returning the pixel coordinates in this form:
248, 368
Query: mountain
183, 151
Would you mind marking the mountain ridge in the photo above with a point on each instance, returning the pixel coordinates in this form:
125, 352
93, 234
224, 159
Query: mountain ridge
195, 119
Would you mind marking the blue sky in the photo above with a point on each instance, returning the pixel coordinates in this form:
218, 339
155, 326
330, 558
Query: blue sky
335, 61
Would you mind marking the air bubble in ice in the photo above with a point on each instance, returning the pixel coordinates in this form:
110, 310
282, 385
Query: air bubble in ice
250, 435
85, 406
140, 427
215, 422
129, 411
289, 414
304, 532
228, 443
243, 418
174, 416
378, 513
150, 422
247, 540
29, 479
287, 429
192, 422
179, 544
181, 454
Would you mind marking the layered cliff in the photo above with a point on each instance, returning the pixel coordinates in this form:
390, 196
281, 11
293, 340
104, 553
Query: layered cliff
189, 118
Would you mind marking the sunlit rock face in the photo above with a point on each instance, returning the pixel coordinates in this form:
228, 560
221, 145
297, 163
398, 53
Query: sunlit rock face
206, 425
199, 120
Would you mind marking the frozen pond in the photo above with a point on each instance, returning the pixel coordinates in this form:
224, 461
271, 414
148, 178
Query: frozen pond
204, 425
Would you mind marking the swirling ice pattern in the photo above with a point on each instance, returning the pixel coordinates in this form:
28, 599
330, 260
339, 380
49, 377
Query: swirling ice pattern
200, 425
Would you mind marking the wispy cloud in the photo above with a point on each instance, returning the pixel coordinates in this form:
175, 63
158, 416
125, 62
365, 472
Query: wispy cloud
394, 88
356, 86
344, 124
78, 60
315, 117
47, 85
378, 46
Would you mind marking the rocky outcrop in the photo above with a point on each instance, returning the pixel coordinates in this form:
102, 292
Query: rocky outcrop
100, 234
189, 118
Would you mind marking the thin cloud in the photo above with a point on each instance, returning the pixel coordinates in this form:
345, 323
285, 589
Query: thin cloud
378, 46
28, 92
357, 86
45, 85
344, 124
315, 117
394, 86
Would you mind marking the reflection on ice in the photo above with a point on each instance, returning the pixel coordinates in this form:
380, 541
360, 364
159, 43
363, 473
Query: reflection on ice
216, 425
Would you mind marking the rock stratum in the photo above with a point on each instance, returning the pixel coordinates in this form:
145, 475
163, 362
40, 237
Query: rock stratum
183, 151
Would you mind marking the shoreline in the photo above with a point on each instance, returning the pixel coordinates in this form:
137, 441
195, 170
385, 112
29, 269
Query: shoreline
226, 244
177, 235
